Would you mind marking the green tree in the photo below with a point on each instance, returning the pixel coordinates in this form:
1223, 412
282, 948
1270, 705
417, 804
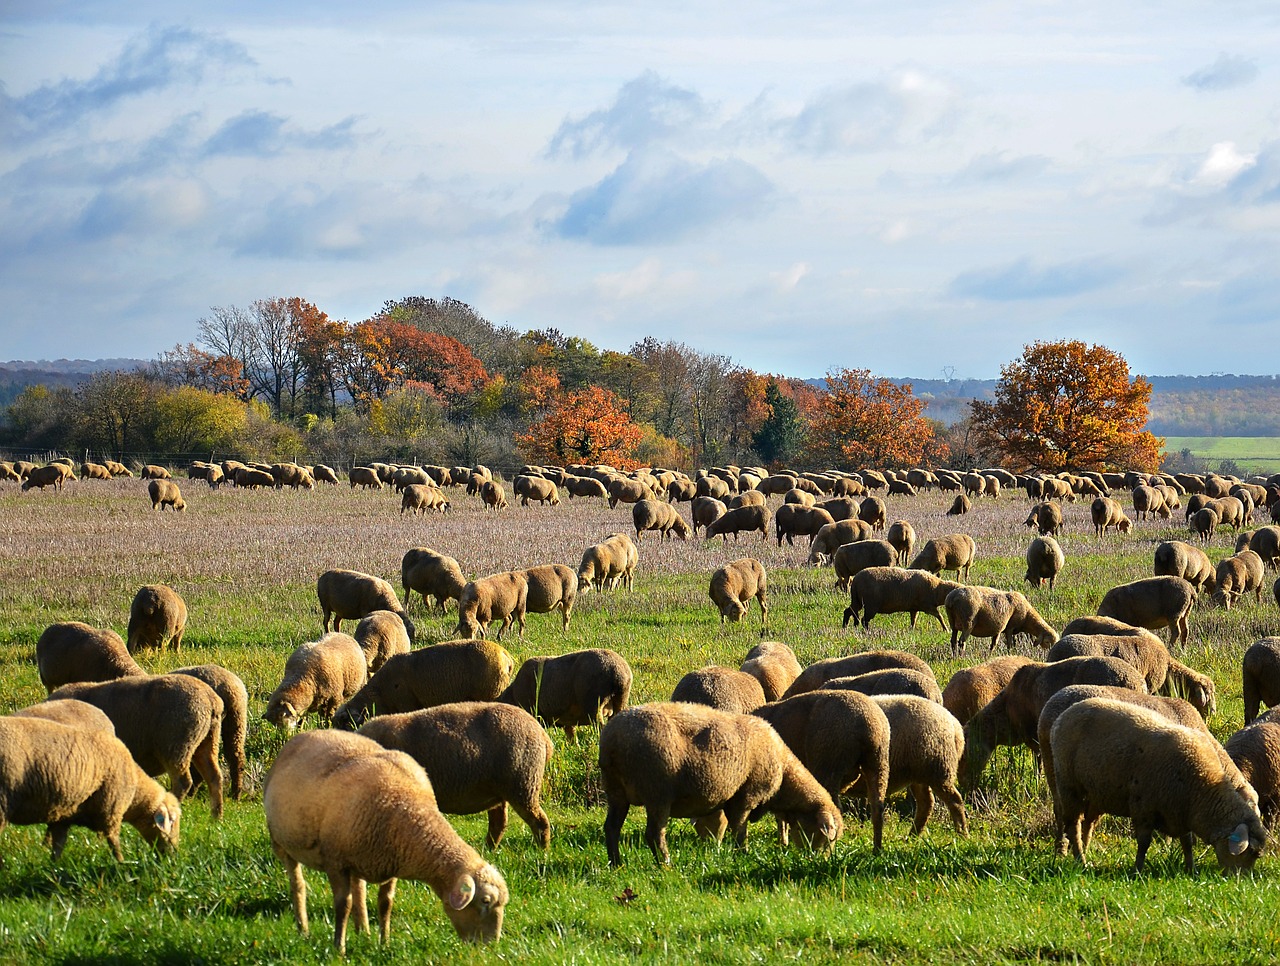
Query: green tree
780, 437
190, 420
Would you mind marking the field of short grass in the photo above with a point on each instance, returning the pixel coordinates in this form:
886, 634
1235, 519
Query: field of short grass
246, 564
1253, 454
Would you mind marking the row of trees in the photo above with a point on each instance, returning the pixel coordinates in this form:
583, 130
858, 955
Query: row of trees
434, 381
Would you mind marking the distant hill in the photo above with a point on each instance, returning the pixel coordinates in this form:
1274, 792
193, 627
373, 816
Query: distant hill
18, 374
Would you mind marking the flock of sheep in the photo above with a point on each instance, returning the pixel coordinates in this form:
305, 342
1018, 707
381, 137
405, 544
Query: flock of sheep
455, 728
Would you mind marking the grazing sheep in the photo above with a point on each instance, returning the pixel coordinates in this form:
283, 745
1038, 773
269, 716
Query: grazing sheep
903, 537
1145, 652
744, 518
1046, 518
252, 478
841, 508
431, 574
364, 476
291, 475
873, 511
1012, 716
1153, 603
1238, 575
501, 596
551, 587
1147, 500
971, 688
351, 595
1231, 511
799, 497
1117, 759
72, 652
1255, 750
959, 506
1174, 558
720, 687
891, 590
705, 511
1204, 522
893, 680
235, 719
153, 472
380, 635
1172, 709
774, 665
622, 490
69, 712
925, 747
418, 498
117, 469
492, 495
324, 474
988, 612
1107, 514
165, 493
318, 677
835, 535
59, 775
440, 674
1044, 562
656, 515
360, 813
93, 471
579, 688
535, 488
852, 558
479, 756
608, 563
842, 737
955, 551
1192, 686
156, 616
169, 722
1261, 676
1265, 542
690, 761
819, 672
792, 520
733, 586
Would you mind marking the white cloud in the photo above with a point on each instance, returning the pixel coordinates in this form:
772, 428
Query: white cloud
1223, 162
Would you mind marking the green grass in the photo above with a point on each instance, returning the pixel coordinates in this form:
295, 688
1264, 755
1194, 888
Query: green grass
1253, 454
246, 565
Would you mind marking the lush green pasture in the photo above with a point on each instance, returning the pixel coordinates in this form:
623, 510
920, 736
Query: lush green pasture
246, 563
1253, 454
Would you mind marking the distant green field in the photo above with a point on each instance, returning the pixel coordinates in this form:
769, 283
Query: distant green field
1260, 454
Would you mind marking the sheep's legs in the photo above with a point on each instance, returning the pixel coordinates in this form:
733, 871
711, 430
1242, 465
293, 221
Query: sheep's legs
1143, 835
359, 905
955, 805
386, 898
341, 886
924, 807
613, 820
655, 833
497, 825
537, 821
297, 892
205, 761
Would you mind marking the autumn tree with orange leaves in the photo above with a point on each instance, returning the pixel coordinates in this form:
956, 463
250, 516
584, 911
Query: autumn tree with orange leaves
589, 425
864, 421
1066, 405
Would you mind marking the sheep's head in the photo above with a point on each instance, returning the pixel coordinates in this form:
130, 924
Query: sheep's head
1239, 849
158, 825
819, 828
475, 904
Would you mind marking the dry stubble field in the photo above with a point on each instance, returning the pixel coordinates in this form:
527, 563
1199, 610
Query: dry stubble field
246, 563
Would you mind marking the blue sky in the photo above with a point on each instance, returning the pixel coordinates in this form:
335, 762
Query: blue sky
906, 188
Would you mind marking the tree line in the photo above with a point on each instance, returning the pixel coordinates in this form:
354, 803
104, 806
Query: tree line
433, 381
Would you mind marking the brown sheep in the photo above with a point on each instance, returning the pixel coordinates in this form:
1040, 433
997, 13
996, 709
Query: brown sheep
94, 471
835, 535
165, 493
502, 596
744, 518
903, 537
440, 674
431, 574
705, 511
1107, 514
774, 665
959, 506
1265, 542
892, 590
535, 488
1255, 749
1261, 676
955, 551
479, 756
1147, 500
1045, 518
1044, 561
364, 476
1152, 602
252, 478
418, 498
169, 722
818, 673
893, 680
622, 490
157, 615
988, 612
873, 511
1173, 558
851, 559
971, 688
720, 687
842, 737
686, 760
72, 652
58, 775
235, 719
792, 520
579, 688
1204, 522
608, 563
380, 635
1147, 654
1238, 575
733, 586
551, 587
319, 676
343, 804
351, 595
492, 495
656, 515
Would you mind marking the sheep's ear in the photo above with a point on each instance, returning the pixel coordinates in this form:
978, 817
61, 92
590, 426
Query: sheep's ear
464, 890
161, 819
1239, 841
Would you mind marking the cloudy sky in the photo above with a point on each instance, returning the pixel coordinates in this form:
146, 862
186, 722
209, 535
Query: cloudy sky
919, 188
